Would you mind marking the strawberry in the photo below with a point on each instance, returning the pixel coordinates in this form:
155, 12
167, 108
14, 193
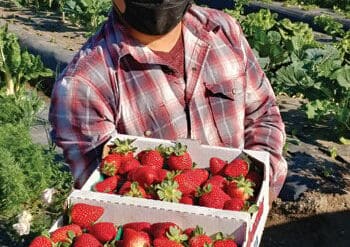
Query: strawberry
199, 238
138, 226
144, 175
190, 180
216, 165
235, 204
152, 158
161, 175
123, 148
168, 191
128, 165
110, 164
217, 181
85, 215
225, 243
108, 185
174, 238
103, 231
236, 168
189, 231
132, 189
187, 199
165, 242
41, 241
180, 159
132, 238
213, 197
239, 188
159, 229
66, 233
87, 240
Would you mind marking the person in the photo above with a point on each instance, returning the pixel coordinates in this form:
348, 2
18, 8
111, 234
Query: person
166, 69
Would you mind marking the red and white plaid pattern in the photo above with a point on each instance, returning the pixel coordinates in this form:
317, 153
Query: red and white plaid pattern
115, 84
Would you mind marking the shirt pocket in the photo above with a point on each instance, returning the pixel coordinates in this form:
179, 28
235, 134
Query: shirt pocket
226, 100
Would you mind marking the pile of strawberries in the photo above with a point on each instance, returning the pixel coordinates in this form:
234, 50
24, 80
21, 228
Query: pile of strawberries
169, 174
84, 230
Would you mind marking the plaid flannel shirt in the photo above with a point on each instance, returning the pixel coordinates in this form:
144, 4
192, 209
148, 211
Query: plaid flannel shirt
116, 85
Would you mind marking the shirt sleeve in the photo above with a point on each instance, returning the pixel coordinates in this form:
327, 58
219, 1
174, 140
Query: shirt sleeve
82, 122
264, 128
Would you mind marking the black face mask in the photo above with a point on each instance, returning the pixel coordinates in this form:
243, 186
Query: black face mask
154, 17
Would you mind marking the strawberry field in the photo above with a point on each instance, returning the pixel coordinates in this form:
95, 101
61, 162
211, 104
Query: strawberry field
309, 71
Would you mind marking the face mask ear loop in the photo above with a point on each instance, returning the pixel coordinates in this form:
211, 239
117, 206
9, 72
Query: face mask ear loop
119, 14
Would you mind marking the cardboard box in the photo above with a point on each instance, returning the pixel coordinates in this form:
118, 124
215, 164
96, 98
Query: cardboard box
246, 228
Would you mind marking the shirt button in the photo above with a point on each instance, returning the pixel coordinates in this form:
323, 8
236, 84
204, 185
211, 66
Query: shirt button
148, 133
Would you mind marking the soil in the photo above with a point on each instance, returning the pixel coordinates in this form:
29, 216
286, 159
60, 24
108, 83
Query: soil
319, 213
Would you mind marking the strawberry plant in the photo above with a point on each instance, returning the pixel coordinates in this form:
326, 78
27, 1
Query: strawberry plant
329, 25
87, 13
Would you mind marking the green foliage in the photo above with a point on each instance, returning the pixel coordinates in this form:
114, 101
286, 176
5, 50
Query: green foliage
322, 77
275, 41
88, 13
17, 67
296, 63
26, 170
20, 108
329, 25
341, 4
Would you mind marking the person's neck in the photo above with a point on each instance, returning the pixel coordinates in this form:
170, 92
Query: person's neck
159, 42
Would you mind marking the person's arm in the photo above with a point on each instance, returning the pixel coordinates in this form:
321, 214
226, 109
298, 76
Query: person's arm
264, 128
82, 122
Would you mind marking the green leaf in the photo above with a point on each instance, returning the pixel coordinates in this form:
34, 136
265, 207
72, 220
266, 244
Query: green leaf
344, 141
342, 76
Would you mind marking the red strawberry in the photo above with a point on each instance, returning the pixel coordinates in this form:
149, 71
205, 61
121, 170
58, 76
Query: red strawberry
190, 180
66, 233
216, 165
236, 168
161, 175
132, 189
187, 199
217, 181
180, 159
152, 158
235, 204
87, 240
138, 226
225, 243
132, 238
240, 188
128, 165
85, 215
189, 231
144, 175
110, 164
199, 238
108, 185
165, 242
123, 148
140, 154
213, 197
103, 231
159, 229
41, 241
168, 191
255, 178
